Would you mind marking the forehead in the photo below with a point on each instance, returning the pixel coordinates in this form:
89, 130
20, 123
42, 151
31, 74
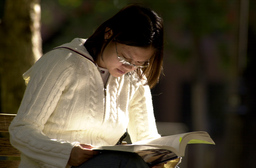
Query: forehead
136, 53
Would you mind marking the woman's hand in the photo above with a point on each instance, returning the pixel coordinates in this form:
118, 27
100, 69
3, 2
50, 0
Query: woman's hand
80, 154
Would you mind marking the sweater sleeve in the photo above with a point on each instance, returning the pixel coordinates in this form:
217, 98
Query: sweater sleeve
141, 116
47, 82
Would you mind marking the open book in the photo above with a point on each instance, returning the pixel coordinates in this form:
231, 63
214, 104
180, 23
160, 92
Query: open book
155, 151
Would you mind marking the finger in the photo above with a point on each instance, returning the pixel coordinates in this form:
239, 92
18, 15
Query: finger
79, 155
85, 146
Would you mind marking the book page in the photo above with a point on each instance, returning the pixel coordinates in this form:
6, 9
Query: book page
172, 141
175, 143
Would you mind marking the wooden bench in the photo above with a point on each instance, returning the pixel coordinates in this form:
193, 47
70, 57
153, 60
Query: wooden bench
9, 156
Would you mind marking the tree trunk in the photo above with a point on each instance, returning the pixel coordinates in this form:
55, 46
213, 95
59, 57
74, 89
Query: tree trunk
20, 47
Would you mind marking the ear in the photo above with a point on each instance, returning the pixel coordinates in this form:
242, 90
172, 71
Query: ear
108, 33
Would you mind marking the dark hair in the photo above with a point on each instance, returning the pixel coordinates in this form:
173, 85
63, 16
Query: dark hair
133, 25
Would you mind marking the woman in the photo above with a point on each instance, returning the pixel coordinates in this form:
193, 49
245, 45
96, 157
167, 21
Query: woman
89, 92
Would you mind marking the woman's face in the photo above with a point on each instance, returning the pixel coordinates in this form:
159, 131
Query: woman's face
115, 52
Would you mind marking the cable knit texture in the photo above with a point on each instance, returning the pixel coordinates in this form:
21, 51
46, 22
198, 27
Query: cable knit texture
65, 104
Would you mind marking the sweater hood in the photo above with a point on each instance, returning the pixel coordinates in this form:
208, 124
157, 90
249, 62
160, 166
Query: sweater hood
77, 45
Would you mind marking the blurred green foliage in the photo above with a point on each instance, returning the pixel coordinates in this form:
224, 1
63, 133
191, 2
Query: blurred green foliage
70, 3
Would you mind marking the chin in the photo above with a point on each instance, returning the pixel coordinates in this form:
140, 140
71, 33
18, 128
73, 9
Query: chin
117, 75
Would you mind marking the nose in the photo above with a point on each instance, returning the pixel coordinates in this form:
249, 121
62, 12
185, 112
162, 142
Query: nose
129, 67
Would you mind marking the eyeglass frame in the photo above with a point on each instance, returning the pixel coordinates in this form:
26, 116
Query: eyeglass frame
125, 62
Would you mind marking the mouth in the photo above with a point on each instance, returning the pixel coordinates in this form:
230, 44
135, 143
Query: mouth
121, 71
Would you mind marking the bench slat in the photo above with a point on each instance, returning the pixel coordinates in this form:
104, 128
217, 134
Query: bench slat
9, 163
9, 156
6, 149
5, 121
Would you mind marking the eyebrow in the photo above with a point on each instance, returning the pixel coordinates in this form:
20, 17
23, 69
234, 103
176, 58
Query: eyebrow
131, 58
125, 55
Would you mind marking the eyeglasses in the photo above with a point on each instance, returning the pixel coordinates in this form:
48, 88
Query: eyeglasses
125, 62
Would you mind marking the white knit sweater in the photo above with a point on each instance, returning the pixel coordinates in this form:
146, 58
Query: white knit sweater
65, 104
